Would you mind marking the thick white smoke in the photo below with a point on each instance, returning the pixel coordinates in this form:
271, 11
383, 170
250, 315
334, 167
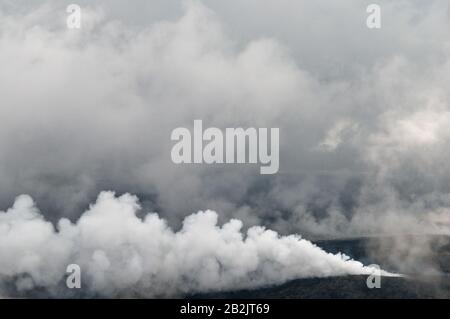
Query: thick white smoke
120, 253
364, 122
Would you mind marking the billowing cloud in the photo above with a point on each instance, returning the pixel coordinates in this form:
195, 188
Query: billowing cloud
363, 118
120, 254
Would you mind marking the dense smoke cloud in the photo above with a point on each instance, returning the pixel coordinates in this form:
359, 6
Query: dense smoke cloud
123, 255
363, 114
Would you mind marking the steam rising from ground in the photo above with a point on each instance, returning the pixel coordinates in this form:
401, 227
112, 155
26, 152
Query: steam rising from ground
364, 124
121, 254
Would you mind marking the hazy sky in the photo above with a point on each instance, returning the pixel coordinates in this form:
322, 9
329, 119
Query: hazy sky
92, 109
364, 114
364, 120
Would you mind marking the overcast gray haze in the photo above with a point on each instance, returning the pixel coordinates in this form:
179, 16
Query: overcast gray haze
86, 116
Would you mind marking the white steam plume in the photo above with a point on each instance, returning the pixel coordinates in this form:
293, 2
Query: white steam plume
122, 254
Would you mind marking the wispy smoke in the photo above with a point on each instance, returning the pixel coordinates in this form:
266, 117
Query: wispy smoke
121, 254
93, 109
363, 121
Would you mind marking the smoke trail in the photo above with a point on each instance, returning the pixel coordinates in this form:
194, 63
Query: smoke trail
121, 254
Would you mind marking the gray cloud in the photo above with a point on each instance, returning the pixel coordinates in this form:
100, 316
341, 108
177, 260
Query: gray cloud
122, 255
92, 109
